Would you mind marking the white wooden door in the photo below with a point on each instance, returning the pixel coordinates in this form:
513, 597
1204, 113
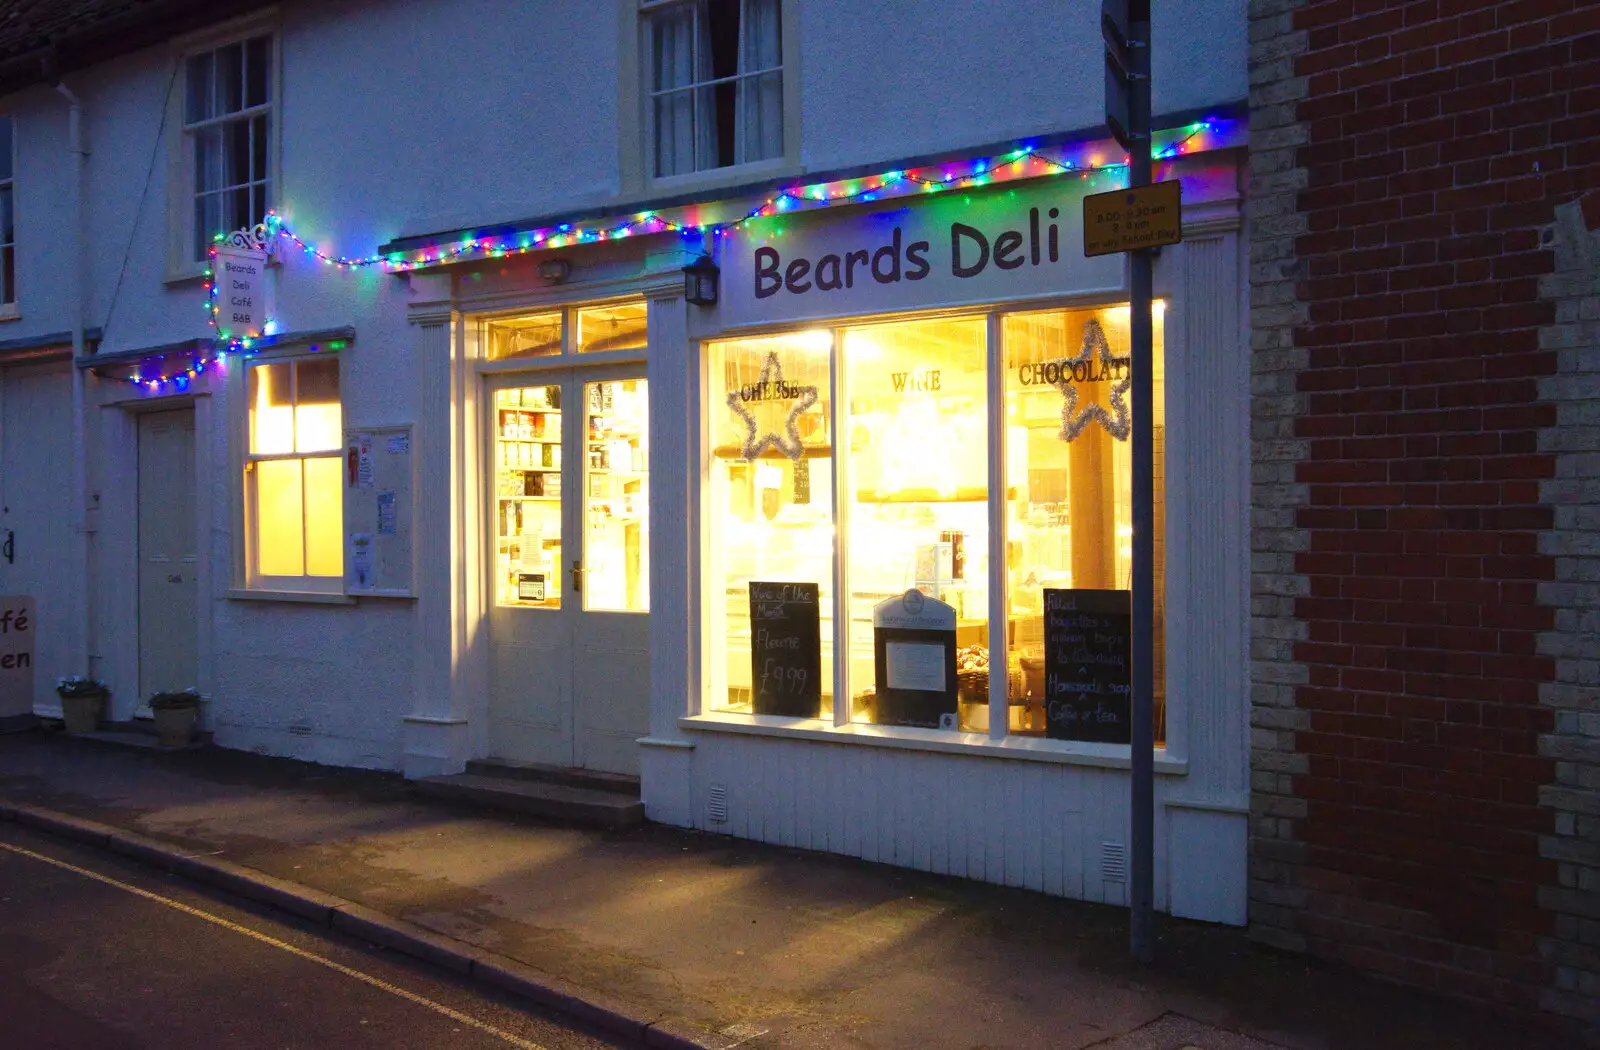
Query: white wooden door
568, 536
168, 553
36, 518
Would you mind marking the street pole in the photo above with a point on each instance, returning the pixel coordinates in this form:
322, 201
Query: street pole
1126, 26
1142, 834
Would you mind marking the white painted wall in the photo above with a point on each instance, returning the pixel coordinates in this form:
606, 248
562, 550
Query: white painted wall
403, 117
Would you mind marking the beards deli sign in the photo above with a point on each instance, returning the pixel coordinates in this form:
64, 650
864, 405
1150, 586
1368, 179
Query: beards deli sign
967, 247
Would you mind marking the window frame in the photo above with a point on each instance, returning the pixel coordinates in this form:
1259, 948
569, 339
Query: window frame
181, 189
636, 119
834, 724
247, 581
11, 310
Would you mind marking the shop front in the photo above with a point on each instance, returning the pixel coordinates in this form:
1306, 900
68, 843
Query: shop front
909, 604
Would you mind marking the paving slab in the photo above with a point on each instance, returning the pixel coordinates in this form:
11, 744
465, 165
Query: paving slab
746, 944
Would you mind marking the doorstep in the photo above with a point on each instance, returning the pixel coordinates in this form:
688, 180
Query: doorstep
576, 795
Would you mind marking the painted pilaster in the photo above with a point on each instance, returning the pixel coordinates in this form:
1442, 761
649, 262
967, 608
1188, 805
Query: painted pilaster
664, 756
438, 730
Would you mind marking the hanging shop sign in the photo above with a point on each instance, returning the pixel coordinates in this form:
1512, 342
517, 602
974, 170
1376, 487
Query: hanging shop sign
979, 246
914, 661
242, 291
1087, 684
16, 655
786, 649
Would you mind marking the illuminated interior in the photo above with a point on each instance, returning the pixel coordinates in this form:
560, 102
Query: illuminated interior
616, 496
615, 326
527, 458
536, 336
914, 460
296, 436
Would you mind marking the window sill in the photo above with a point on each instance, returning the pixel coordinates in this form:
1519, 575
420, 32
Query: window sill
10, 312
655, 186
1023, 749
306, 597
185, 275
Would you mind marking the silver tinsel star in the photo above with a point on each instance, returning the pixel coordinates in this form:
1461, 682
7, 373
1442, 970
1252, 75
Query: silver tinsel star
1074, 422
770, 386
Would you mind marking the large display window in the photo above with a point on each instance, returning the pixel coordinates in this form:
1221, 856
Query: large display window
860, 500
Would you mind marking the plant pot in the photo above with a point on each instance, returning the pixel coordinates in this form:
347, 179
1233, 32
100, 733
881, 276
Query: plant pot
82, 711
175, 725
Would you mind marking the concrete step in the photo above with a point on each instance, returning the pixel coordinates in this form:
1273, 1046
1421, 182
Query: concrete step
583, 778
560, 801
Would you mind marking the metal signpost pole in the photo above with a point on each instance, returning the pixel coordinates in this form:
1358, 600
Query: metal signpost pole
1126, 27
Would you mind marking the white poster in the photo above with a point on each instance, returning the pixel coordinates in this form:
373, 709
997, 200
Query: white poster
915, 665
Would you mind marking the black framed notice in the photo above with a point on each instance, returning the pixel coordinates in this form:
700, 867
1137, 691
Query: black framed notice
786, 649
914, 661
1087, 680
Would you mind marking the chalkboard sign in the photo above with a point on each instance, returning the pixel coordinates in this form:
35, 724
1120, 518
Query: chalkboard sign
786, 649
1087, 644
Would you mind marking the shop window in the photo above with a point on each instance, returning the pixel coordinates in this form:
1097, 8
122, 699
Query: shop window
535, 336
294, 485
616, 496
227, 136
715, 83
8, 235
614, 326
1069, 475
771, 518
912, 445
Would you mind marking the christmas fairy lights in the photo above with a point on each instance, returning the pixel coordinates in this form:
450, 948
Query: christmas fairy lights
1027, 161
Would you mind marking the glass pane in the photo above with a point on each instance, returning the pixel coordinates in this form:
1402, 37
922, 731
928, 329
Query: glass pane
769, 513
280, 539
620, 326
5, 148
208, 160
236, 158
258, 71
230, 79
527, 505
7, 229
1069, 478
616, 556
197, 80
8, 273
207, 223
537, 336
675, 133
762, 108
672, 46
918, 492
271, 409
715, 122
317, 414
324, 517
258, 148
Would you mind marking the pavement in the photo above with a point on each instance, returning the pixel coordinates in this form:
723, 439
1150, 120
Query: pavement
681, 939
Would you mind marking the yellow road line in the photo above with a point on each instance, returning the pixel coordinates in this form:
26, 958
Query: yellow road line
218, 920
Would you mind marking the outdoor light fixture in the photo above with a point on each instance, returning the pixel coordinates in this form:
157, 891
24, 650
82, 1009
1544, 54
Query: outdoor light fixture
555, 270
700, 281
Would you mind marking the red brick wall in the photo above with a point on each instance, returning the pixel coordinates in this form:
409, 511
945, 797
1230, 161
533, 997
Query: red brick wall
1440, 135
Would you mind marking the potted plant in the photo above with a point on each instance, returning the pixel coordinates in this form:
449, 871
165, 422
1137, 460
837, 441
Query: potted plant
83, 700
175, 714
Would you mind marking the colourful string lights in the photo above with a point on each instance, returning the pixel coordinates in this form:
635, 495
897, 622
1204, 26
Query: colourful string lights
1027, 161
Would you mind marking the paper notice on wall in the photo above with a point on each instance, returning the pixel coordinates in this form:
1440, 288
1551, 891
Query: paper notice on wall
915, 665
361, 558
386, 513
399, 444
364, 461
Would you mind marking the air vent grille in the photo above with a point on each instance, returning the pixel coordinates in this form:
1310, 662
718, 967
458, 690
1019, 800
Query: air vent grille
1113, 862
717, 804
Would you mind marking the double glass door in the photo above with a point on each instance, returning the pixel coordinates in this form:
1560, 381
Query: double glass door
570, 574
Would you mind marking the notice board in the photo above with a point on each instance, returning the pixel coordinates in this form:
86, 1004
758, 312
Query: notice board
379, 480
914, 661
786, 649
1087, 684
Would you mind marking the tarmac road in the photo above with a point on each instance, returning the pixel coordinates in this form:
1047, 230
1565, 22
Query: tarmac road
87, 960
